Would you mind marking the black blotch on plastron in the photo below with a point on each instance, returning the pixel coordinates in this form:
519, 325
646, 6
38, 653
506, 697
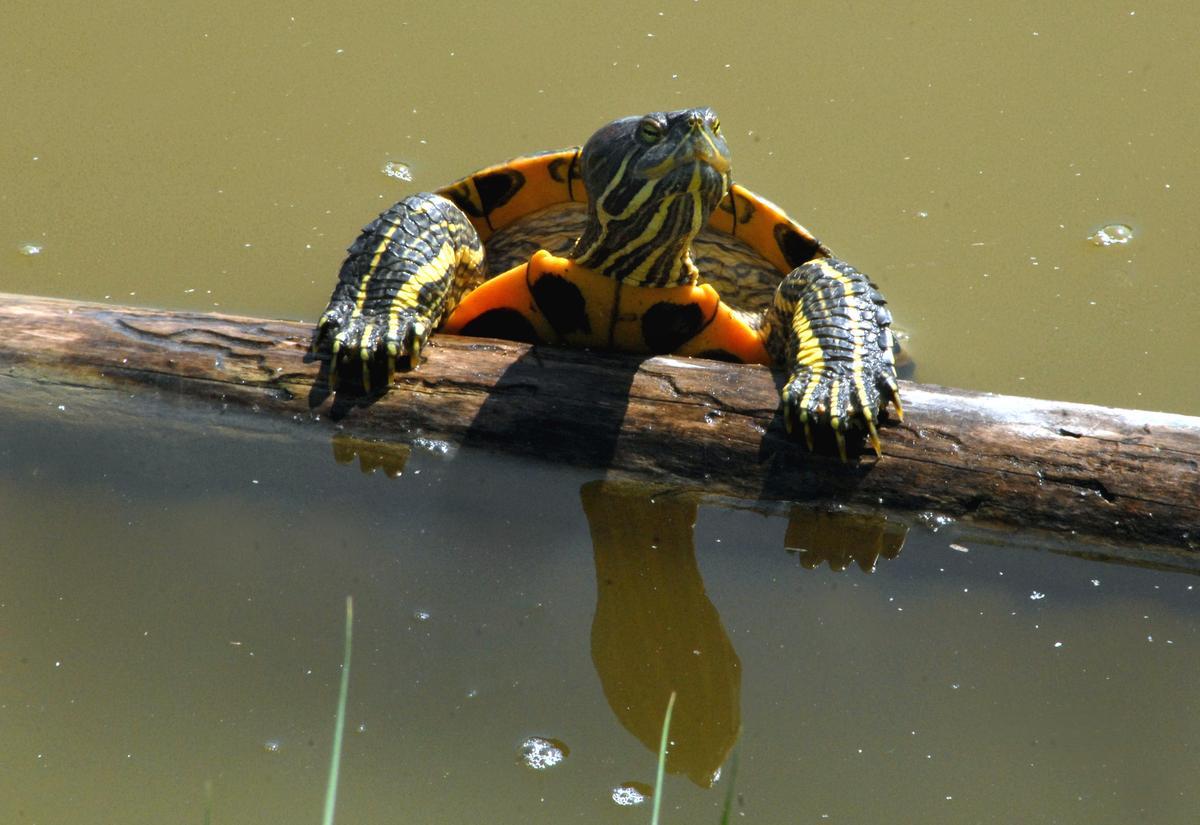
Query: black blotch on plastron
666, 326
497, 188
562, 303
719, 355
796, 248
503, 323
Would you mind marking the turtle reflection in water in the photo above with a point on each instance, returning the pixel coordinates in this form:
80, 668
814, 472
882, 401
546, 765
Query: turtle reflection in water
655, 630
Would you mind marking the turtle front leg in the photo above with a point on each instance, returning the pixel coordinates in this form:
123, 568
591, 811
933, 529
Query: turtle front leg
832, 330
401, 277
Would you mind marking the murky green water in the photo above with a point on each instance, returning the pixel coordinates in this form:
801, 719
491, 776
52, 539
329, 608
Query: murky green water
171, 604
171, 612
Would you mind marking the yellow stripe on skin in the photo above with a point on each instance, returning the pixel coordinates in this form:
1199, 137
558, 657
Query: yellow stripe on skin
815, 354
635, 205
854, 320
714, 158
640, 276
408, 296
384, 243
366, 359
682, 272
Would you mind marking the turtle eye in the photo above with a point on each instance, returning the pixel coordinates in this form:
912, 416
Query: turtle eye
650, 131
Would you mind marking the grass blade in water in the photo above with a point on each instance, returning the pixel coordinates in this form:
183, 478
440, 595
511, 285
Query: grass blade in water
662, 759
340, 726
733, 763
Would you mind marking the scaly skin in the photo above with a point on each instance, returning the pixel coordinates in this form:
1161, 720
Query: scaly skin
831, 326
402, 275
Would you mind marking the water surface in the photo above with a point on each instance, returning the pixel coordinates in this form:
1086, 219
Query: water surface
171, 614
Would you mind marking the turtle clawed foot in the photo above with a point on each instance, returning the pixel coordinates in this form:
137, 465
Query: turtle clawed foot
364, 351
845, 404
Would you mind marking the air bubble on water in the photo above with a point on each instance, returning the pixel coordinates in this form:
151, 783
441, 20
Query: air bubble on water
30, 249
397, 169
631, 793
433, 445
934, 521
272, 746
1112, 234
539, 754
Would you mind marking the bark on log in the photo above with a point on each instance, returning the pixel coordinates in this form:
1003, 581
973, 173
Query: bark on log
1115, 475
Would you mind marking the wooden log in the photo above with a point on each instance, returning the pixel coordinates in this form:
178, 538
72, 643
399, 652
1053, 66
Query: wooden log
1113, 475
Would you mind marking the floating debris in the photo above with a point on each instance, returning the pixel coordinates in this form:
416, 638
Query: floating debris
30, 249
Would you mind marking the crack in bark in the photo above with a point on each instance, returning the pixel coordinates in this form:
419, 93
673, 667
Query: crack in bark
706, 400
180, 337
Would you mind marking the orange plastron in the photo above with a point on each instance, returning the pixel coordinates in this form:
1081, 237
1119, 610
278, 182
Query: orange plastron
552, 300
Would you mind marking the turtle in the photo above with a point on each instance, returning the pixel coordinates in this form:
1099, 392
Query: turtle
637, 241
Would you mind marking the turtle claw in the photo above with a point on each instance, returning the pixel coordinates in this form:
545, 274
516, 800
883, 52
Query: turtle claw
366, 370
895, 393
366, 349
873, 437
841, 442
392, 352
838, 402
335, 352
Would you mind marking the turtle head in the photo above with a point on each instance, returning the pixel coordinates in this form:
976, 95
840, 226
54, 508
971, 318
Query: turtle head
652, 182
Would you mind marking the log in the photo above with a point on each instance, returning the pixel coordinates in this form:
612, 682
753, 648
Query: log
1113, 475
